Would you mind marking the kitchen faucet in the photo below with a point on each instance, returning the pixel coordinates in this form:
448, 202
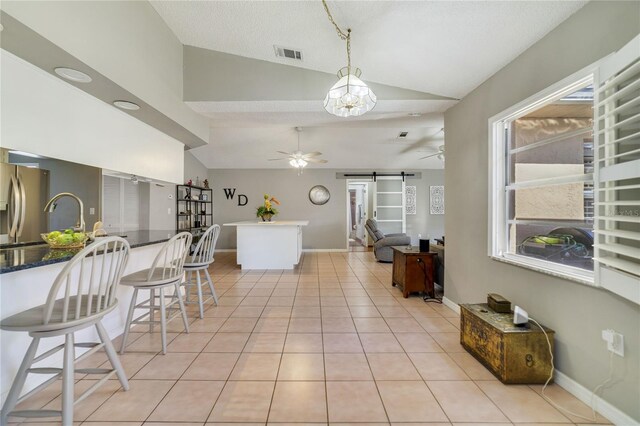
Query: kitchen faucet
51, 206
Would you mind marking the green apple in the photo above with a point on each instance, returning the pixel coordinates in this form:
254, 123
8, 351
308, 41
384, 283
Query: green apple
79, 237
64, 239
68, 231
53, 235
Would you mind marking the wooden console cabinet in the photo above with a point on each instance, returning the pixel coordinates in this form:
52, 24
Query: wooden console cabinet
413, 270
513, 354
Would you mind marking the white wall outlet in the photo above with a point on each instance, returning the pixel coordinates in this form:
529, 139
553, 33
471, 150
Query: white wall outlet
169, 210
615, 341
92, 210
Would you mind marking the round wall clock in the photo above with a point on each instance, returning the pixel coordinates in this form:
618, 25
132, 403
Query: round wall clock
319, 195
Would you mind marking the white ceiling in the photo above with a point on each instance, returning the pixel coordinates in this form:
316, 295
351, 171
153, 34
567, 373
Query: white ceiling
443, 47
343, 147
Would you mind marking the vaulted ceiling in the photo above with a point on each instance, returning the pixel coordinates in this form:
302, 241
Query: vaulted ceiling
420, 56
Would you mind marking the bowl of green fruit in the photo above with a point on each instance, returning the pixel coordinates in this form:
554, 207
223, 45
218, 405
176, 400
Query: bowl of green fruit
67, 239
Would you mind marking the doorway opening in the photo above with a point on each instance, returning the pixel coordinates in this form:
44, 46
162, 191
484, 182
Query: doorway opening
357, 213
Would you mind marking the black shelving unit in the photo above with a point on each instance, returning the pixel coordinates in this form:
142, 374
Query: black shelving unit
194, 209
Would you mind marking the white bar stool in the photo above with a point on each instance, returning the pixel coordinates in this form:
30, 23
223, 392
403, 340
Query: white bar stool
200, 260
166, 271
87, 285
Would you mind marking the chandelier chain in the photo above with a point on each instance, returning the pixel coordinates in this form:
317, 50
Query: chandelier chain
341, 33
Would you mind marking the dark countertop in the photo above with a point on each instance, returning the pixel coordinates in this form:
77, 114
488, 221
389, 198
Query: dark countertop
18, 257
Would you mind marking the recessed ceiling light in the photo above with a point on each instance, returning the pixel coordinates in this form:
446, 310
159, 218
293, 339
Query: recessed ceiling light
127, 105
73, 75
415, 114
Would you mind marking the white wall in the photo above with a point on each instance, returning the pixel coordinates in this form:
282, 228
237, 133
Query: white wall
126, 41
576, 312
44, 115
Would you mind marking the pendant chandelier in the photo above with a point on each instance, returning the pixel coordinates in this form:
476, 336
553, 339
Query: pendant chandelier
350, 96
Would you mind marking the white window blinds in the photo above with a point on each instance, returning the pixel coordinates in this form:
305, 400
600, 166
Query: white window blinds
617, 160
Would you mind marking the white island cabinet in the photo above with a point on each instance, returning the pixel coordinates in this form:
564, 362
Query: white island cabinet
269, 245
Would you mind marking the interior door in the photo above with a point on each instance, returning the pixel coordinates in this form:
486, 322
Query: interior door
389, 206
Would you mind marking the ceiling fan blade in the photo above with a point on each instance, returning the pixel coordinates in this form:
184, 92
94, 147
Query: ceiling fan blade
285, 153
277, 159
312, 154
424, 142
429, 156
315, 160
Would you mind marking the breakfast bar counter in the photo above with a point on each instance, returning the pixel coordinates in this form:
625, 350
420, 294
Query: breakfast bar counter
16, 257
269, 245
28, 272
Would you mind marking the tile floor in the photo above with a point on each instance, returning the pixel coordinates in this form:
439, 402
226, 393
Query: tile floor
330, 342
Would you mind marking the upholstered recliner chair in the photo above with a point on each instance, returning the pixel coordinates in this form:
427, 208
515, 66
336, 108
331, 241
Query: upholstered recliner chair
382, 243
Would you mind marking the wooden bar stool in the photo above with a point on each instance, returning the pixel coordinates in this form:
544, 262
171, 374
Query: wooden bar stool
166, 271
81, 295
200, 260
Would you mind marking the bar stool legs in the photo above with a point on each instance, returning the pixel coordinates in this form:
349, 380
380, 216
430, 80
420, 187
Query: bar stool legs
66, 372
67, 380
18, 383
151, 306
201, 300
210, 281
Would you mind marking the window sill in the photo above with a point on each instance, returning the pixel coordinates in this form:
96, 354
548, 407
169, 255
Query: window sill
585, 278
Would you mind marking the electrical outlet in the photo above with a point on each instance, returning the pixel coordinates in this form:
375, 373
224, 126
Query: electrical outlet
169, 210
615, 341
92, 210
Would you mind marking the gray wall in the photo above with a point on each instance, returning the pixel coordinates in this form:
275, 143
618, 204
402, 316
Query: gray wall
327, 229
193, 168
423, 222
163, 199
577, 312
83, 181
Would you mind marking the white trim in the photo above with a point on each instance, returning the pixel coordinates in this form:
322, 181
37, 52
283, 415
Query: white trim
451, 304
606, 409
335, 250
568, 273
326, 251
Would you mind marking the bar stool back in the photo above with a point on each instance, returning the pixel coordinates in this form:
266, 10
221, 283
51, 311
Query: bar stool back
166, 271
81, 295
200, 260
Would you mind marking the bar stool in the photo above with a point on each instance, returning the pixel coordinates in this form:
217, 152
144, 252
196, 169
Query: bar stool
200, 260
166, 271
87, 285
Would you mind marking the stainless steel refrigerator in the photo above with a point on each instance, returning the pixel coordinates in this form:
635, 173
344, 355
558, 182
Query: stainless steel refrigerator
24, 192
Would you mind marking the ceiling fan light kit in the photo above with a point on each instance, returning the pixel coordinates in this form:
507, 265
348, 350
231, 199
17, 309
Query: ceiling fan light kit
350, 96
299, 159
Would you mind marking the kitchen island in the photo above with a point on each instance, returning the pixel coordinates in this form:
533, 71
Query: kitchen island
27, 272
269, 245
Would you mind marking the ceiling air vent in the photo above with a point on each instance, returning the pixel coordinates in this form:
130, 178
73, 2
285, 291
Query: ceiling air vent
284, 52
403, 135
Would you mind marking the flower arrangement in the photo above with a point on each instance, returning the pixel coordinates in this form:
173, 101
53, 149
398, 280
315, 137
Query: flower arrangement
267, 211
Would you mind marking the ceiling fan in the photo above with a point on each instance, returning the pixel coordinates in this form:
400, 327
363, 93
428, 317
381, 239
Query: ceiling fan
439, 154
299, 159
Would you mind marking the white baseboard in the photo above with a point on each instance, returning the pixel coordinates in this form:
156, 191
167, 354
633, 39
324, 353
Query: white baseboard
303, 250
324, 250
450, 304
614, 414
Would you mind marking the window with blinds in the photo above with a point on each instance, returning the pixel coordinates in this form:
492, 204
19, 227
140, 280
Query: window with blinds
617, 173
